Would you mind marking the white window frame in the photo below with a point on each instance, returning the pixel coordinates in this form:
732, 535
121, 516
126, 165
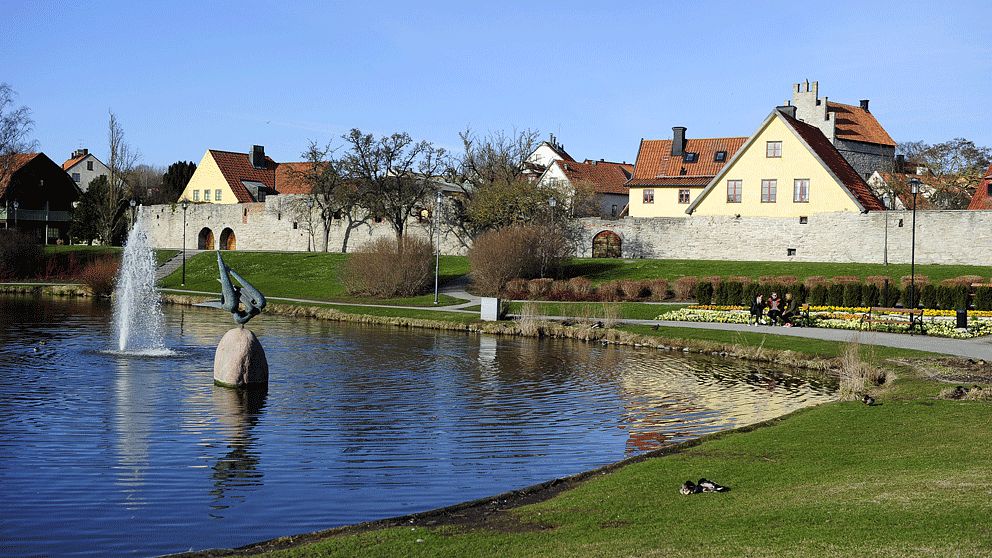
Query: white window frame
217, 194
773, 149
769, 190
738, 190
688, 195
800, 186
648, 196
196, 195
206, 195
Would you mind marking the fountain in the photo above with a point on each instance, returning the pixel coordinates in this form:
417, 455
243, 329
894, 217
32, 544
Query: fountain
138, 320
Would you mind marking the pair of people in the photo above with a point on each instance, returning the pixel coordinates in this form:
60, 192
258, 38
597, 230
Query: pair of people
780, 312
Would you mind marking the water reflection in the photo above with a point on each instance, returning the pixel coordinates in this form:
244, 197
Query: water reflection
238, 411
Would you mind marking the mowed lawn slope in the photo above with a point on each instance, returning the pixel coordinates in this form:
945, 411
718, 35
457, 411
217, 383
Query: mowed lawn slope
908, 477
305, 275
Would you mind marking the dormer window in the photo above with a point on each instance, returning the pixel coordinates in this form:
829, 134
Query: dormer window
720, 156
690, 157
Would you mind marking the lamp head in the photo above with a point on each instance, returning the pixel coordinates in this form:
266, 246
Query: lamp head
914, 186
133, 203
552, 202
17, 204
185, 204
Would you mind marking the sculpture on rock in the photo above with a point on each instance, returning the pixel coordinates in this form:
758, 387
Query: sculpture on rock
240, 361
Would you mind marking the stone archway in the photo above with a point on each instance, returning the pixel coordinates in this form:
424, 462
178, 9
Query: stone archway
205, 240
607, 244
227, 240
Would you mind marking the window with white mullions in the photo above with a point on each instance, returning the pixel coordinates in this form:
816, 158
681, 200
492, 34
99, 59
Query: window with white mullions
733, 191
769, 191
800, 190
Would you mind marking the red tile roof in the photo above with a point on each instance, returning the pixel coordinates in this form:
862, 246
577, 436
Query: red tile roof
655, 165
72, 162
982, 199
237, 168
827, 153
18, 160
290, 178
605, 176
857, 124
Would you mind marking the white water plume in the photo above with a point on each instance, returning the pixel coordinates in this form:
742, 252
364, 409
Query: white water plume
138, 320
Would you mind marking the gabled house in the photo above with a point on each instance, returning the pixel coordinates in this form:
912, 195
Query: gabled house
37, 197
606, 180
795, 157
546, 153
230, 177
83, 167
893, 187
983, 194
853, 130
669, 174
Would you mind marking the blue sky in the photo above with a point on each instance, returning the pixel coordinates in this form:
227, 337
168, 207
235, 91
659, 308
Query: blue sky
184, 77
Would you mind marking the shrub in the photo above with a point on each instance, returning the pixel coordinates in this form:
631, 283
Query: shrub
877, 280
786, 280
685, 288
819, 295
871, 295
581, 288
720, 294
927, 295
890, 295
538, 288
967, 280
704, 292
799, 292
836, 294
742, 279
609, 291
561, 290
632, 290
515, 289
749, 291
766, 279
20, 255
953, 297
100, 275
983, 298
385, 268
814, 280
907, 279
520, 251
845, 280
852, 294
659, 289
733, 293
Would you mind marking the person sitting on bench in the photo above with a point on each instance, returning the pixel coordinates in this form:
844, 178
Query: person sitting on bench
791, 312
774, 308
757, 310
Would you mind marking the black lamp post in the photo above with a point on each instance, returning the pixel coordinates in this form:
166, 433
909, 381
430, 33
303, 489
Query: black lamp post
185, 206
132, 203
16, 205
914, 186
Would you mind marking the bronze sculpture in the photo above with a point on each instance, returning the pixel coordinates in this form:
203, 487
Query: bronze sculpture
233, 297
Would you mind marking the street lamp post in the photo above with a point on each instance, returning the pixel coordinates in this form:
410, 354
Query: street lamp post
132, 203
185, 206
914, 186
16, 205
437, 254
309, 222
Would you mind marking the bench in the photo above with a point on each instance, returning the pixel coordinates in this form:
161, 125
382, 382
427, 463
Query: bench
905, 316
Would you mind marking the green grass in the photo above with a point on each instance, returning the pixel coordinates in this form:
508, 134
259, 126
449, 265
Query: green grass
908, 477
601, 270
819, 347
161, 256
628, 310
305, 275
457, 317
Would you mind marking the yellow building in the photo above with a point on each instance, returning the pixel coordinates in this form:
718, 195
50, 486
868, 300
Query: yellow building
786, 169
226, 177
670, 174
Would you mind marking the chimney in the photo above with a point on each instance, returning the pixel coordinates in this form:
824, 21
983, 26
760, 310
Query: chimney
900, 163
80, 153
788, 110
678, 141
257, 156
864, 105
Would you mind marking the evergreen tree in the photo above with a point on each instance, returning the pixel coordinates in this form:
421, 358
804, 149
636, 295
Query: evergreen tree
176, 178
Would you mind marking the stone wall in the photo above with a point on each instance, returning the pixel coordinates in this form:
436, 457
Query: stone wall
866, 158
942, 237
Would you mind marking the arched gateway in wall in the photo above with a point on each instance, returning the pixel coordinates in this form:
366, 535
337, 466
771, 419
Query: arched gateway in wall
205, 240
607, 244
227, 240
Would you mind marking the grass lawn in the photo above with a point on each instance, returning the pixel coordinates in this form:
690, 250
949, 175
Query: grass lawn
161, 256
458, 317
306, 275
601, 270
907, 477
628, 310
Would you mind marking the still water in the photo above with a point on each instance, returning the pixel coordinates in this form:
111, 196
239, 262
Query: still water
102, 454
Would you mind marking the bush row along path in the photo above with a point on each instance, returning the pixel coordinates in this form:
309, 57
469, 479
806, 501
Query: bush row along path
978, 348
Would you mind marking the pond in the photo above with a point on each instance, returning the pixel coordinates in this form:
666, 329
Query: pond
105, 454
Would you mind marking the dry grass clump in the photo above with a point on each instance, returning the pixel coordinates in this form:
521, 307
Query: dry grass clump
845, 280
581, 288
561, 290
961, 393
632, 290
516, 288
659, 289
920, 280
539, 287
387, 268
877, 280
858, 374
610, 291
100, 275
685, 288
531, 318
814, 280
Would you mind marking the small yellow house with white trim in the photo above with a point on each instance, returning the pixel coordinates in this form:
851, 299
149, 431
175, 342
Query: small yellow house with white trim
226, 177
787, 168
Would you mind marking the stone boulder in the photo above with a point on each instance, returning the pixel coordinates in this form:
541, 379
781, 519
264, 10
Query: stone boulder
240, 360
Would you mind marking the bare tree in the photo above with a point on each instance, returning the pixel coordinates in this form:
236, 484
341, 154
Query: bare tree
954, 169
110, 209
15, 125
394, 173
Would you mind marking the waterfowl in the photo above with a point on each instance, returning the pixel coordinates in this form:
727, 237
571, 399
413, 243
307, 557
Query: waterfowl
868, 400
688, 487
710, 486
959, 392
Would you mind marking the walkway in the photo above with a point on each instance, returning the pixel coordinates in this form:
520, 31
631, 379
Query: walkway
175, 263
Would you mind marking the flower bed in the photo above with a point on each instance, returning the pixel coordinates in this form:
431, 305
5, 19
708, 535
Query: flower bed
940, 323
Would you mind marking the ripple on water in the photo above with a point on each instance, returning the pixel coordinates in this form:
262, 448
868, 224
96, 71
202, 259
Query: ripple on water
141, 454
